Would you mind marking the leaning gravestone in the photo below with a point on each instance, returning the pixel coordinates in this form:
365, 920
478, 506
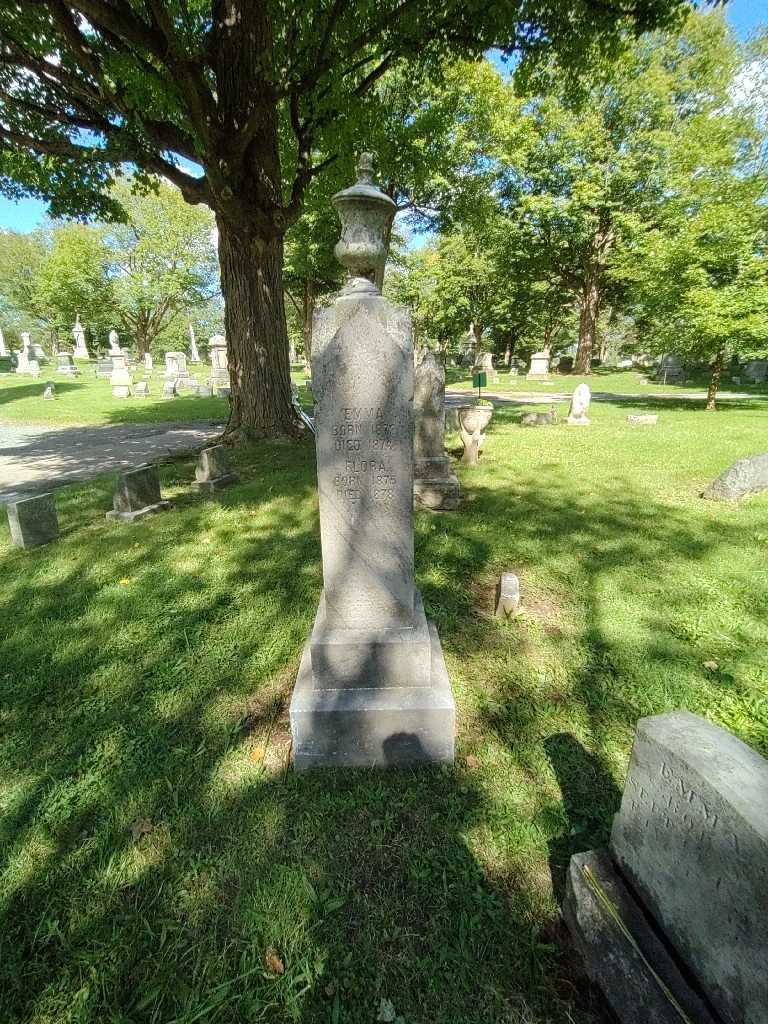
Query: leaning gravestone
213, 470
746, 476
691, 838
434, 485
137, 494
372, 687
33, 521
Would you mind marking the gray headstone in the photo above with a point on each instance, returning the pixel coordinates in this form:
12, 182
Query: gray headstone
169, 389
747, 476
508, 595
205, 391
50, 392
434, 485
104, 368
372, 687
692, 839
141, 389
33, 521
137, 494
213, 470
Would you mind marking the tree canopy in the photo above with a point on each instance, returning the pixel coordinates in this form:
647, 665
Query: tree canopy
202, 93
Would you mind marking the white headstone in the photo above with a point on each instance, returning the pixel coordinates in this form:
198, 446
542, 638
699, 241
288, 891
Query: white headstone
175, 364
194, 355
120, 378
577, 414
3, 349
78, 333
148, 364
539, 365
114, 343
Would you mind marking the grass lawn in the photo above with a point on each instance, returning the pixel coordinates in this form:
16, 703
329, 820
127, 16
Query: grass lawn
612, 381
160, 863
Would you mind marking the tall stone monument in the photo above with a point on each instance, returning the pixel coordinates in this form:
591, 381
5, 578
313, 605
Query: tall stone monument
194, 355
114, 343
434, 485
78, 333
372, 687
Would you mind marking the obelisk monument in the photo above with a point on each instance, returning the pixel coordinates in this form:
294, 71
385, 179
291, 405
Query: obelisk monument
372, 688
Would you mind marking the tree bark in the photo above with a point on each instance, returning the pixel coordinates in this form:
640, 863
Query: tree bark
256, 332
714, 380
308, 309
589, 309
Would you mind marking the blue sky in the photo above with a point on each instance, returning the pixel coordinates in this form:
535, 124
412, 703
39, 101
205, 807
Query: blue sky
26, 214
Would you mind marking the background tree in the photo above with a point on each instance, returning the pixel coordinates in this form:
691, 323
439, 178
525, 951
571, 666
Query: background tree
697, 275
87, 85
162, 261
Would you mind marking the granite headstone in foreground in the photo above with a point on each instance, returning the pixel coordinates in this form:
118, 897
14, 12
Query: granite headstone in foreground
33, 521
746, 476
213, 470
692, 839
137, 494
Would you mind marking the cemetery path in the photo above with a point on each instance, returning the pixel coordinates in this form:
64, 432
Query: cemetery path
34, 459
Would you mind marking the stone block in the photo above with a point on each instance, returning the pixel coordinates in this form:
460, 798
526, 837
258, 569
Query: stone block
169, 389
137, 494
507, 595
746, 476
691, 837
33, 521
376, 727
622, 953
642, 421
443, 494
141, 389
213, 470
397, 655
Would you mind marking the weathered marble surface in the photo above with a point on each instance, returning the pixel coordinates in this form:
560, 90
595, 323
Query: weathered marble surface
137, 493
746, 476
363, 386
383, 726
692, 839
33, 521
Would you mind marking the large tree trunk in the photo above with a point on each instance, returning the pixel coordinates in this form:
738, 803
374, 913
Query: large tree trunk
248, 203
589, 310
257, 336
714, 380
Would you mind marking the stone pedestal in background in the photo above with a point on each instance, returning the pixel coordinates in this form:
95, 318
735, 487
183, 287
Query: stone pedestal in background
33, 521
137, 494
78, 333
434, 486
372, 688
217, 350
120, 378
539, 368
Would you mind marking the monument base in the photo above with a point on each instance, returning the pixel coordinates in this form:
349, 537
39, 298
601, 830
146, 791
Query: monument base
438, 494
217, 483
131, 517
578, 421
359, 727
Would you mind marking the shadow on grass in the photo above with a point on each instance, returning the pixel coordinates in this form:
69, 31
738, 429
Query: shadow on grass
36, 389
161, 864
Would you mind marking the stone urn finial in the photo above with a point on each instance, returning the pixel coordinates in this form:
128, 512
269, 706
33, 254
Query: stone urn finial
365, 213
